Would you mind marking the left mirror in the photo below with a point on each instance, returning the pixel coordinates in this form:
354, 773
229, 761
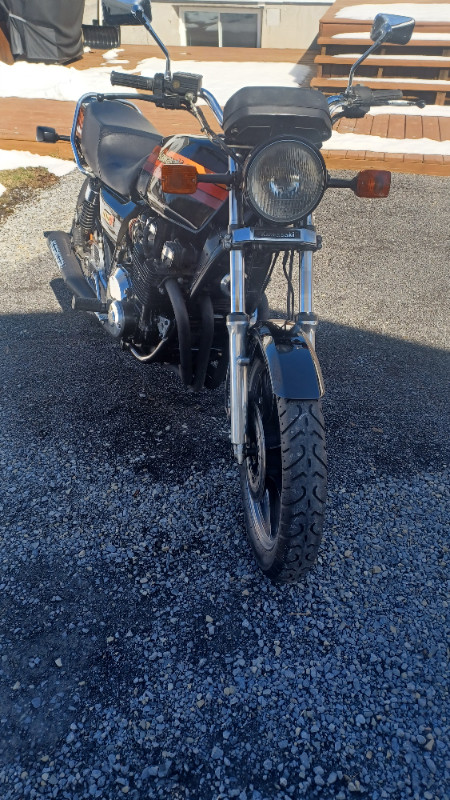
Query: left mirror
119, 12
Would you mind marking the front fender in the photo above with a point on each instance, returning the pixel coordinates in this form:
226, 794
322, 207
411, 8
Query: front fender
291, 361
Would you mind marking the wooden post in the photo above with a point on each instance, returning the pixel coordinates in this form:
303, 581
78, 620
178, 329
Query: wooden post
380, 68
443, 76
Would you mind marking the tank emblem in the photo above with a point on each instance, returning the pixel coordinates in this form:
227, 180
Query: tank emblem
109, 218
165, 158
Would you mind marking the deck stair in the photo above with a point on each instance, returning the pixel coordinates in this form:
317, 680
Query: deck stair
421, 68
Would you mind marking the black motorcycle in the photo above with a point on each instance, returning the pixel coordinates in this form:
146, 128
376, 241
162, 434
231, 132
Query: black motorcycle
174, 242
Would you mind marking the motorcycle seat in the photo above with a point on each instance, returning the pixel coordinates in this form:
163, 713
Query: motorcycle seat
115, 141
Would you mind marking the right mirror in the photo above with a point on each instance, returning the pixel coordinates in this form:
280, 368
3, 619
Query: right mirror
392, 28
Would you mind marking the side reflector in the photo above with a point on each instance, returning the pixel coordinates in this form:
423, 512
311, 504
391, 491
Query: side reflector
177, 179
372, 183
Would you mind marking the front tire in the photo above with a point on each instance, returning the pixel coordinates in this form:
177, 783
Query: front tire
284, 479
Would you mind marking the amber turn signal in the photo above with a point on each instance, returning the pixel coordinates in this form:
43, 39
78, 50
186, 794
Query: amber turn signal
178, 179
372, 183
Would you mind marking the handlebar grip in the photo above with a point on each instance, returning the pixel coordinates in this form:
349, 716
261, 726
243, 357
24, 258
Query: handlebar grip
382, 95
131, 81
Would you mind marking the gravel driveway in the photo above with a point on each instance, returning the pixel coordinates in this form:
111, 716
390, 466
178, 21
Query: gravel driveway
142, 654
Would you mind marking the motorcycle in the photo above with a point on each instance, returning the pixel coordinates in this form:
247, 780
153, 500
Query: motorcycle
174, 242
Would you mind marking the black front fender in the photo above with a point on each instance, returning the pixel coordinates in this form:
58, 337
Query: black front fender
291, 361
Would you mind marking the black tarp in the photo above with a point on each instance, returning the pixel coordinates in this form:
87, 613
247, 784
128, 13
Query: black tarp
44, 30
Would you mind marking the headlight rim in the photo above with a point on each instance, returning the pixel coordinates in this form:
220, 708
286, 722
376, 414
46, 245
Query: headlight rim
254, 154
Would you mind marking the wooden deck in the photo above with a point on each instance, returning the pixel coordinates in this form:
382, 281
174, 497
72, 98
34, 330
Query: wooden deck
394, 126
19, 117
420, 68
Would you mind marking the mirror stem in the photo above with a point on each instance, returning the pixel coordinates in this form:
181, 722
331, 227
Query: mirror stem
362, 58
140, 14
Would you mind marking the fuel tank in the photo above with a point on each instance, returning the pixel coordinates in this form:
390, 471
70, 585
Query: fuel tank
191, 211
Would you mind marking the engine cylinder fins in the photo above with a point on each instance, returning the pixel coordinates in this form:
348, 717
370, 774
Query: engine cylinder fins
143, 276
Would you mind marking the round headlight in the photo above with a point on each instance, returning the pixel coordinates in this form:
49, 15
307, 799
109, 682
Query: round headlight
285, 180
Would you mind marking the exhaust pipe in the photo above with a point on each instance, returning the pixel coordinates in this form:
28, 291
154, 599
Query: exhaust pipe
183, 328
61, 250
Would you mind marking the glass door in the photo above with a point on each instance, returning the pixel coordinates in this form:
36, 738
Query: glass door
221, 29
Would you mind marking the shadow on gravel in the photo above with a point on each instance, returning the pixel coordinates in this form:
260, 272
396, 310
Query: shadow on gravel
107, 587
386, 402
65, 381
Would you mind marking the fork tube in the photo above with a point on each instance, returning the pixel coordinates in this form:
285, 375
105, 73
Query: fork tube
237, 324
307, 318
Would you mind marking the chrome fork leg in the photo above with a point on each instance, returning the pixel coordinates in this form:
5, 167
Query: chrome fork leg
307, 319
237, 324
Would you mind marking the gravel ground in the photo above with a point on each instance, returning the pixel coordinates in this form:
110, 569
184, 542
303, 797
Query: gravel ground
142, 654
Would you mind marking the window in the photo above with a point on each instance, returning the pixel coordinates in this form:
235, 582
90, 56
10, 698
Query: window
221, 29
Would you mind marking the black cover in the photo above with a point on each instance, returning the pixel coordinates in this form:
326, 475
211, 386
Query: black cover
256, 113
44, 30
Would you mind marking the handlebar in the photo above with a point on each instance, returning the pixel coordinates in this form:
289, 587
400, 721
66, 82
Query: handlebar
364, 95
357, 101
380, 96
131, 81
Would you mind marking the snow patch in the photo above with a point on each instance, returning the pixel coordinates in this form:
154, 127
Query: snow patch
224, 78
390, 57
112, 55
57, 82
440, 85
421, 12
13, 159
51, 81
417, 36
412, 111
378, 144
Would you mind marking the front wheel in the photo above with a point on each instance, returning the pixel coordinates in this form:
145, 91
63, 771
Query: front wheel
283, 479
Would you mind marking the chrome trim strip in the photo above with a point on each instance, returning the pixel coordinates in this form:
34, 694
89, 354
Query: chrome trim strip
82, 100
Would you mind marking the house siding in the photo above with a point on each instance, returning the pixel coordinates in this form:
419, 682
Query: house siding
285, 25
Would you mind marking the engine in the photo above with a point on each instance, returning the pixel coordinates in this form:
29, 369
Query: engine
140, 310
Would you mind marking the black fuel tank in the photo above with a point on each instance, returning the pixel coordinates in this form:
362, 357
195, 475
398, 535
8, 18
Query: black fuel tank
191, 211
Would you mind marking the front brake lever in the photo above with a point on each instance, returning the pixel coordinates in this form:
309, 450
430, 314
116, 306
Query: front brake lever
400, 103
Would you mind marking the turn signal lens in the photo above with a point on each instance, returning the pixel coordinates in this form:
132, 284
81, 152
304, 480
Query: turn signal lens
372, 183
177, 179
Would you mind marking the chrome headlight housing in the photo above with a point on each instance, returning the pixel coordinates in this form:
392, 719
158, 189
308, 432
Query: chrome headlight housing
284, 180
